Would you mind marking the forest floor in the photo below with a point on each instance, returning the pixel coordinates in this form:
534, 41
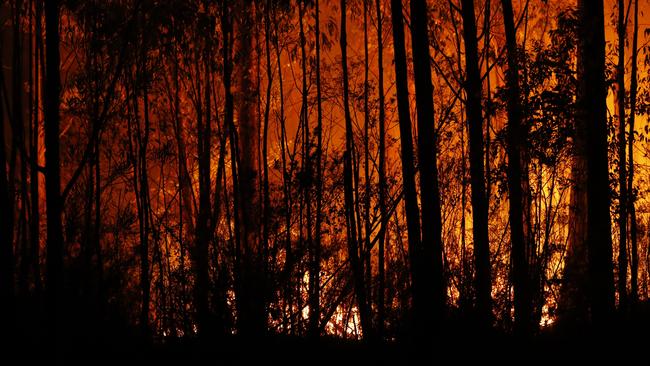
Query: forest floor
458, 345
498, 349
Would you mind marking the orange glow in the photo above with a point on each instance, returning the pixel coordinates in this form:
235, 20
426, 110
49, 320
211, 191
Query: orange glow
145, 109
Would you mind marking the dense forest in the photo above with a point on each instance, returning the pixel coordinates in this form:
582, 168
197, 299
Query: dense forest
346, 173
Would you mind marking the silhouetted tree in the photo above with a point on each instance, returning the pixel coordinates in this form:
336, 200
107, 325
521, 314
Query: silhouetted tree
6, 234
634, 265
53, 200
592, 114
383, 209
473, 110
516, 141
351, 220
623, 203
432, 290
315, 252
250, 296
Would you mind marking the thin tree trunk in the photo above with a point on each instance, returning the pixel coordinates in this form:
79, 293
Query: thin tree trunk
145, 281
6, 234
232, 135
35, 232
186, 198
203, 233
250, 298
483, 281
366, 153
408, 169
53, 200
488, 119
464, 300
98, 227
622, 162
383, 212
306, 157
314, 279
265, 134
19, 140
141, 188
634, 266
95, 169
219, 300
286, 185
87, 246
138, 150
352, 239
520, 268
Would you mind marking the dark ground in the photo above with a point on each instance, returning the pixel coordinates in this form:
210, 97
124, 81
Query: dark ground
618, 347
460, 344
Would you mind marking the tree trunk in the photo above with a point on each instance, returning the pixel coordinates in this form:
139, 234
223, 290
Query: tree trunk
145, 205
634, 265
622, 162
139, 149
573, 303
488, 98
383, 211
483, 281
265, 134
432, 290
250, 298
592, 114
6, 234
352, 239
19, 141
186, 197
35, 234
286, 186
203, 233
98, 230
408, 169
228, 45
516, 139
314, 271
366, 252
306, 167
53, 200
